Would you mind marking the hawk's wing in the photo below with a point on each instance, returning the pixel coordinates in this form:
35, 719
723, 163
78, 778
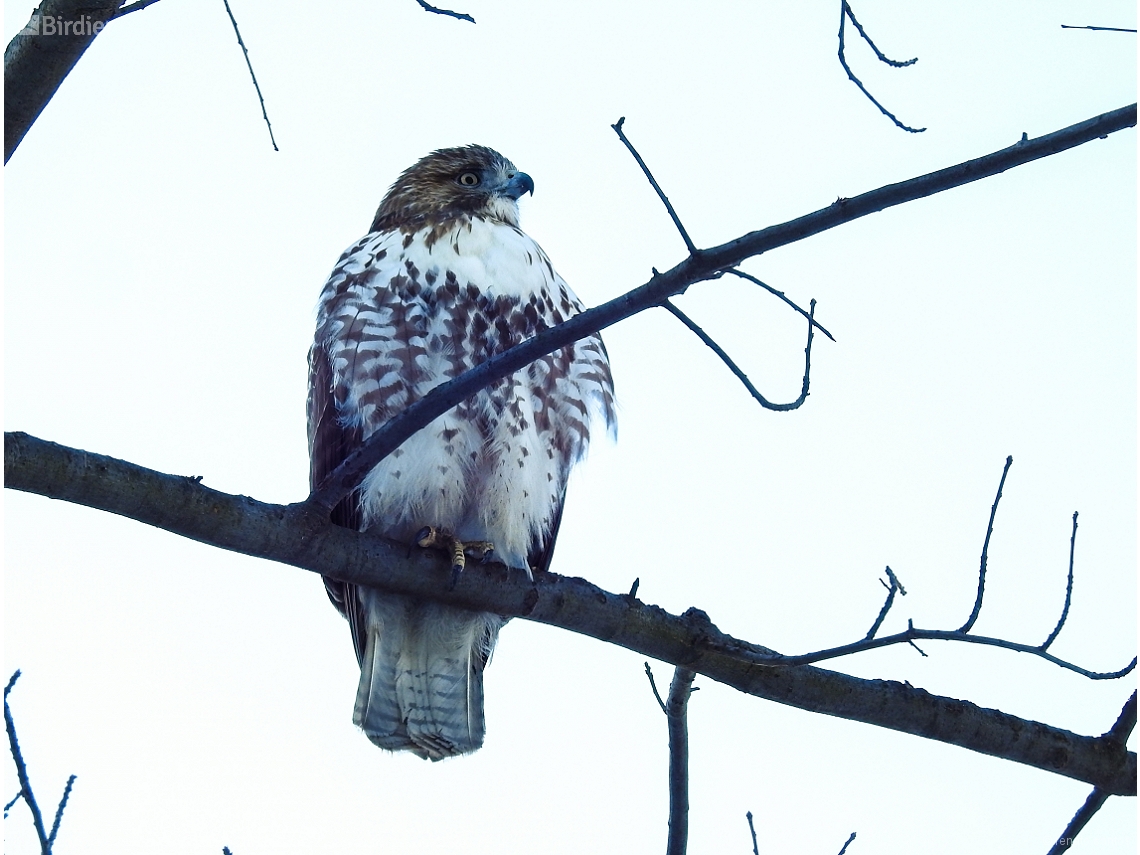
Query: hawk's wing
329, 444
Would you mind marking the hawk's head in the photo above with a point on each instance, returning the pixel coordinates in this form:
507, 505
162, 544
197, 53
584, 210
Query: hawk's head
469, 181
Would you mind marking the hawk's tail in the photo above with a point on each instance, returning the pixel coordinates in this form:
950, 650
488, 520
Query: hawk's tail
421, 676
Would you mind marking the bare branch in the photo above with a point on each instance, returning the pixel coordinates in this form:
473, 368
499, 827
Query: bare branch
35, 64
740, 375
852, 837
1068, 589
134, 7
302, 536
1103, 29
1080, 819
705, 264
59, 811
1122, 729
653, 683
782, 296
911, 634
985, 551
22, 769
891, 589
752, 830
657, 187
249, 64
676, 708
427, 7
15, 799
845, 13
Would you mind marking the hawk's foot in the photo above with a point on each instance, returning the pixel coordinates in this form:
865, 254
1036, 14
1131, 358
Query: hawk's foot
430, 537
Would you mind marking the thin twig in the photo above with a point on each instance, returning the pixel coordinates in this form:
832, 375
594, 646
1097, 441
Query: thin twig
676, 710
852, 837
1104, 29
245, 51
752, 829
59, 811
653, 181
22, 769
891, 588
427, 7
735, 369
844, 13
15, 799
782, 296
653, 683
134, 7
985, 551
1068, 589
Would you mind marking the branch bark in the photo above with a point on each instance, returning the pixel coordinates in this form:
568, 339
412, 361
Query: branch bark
301, 535
35, 65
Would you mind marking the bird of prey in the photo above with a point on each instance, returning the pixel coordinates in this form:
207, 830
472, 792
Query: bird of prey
444, 280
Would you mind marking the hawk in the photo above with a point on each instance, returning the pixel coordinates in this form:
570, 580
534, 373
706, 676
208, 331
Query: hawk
444, 280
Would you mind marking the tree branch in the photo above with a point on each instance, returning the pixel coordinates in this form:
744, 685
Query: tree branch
676, 709
301, 535
701, 265
36, 64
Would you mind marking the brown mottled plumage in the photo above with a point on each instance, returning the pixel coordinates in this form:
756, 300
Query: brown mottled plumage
445, 280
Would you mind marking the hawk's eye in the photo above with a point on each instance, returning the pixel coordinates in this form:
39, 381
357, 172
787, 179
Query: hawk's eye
469, 179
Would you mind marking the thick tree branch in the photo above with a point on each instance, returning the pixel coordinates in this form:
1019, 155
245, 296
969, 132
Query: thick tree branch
36, 64
701, 265
300, 535
676, 710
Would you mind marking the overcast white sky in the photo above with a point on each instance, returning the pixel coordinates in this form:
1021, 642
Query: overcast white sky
162, 265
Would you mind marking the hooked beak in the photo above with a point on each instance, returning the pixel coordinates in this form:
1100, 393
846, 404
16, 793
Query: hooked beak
518, 184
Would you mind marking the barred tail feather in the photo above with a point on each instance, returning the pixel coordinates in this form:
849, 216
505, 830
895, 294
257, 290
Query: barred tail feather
421, 676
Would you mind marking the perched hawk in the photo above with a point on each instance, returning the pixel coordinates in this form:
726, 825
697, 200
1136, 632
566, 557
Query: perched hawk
443, 281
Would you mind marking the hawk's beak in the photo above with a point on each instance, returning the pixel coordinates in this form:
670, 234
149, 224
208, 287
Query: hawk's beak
518, 184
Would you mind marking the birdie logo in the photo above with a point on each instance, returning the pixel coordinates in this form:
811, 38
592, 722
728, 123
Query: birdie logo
52, 25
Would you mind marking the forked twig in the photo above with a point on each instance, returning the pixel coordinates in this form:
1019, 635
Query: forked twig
653, 683
845, 13
249, 64
133, 7
894, 586
47, 840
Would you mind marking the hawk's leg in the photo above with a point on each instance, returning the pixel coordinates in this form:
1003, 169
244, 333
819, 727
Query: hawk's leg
430, 537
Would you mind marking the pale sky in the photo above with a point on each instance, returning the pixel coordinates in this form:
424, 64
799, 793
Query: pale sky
162, 265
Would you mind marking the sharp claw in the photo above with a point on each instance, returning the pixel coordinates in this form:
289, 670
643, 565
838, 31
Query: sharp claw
425, 537
456, 571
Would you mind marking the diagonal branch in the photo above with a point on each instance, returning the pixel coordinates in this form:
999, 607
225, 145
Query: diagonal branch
783, 297
703, 264
35, 64
249, 65
301, 535
657, 187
